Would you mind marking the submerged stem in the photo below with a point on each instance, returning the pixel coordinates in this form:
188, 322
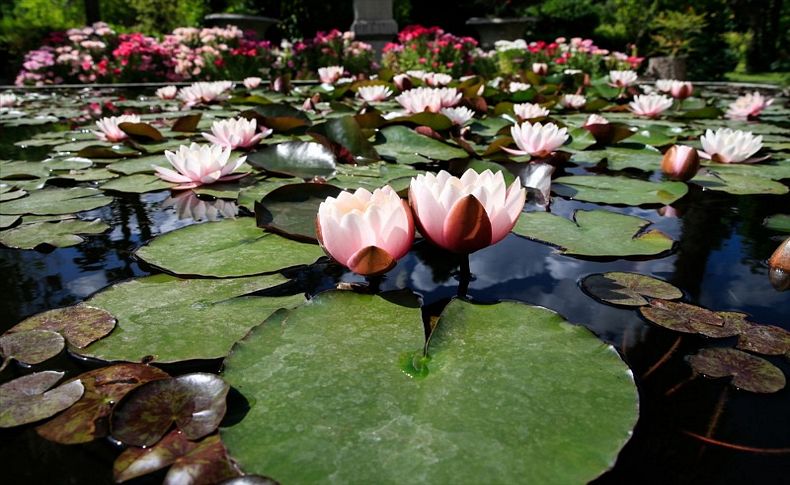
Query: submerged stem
464, 276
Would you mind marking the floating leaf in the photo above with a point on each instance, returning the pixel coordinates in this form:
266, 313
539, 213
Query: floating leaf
195, 403
764, 339
249, 195
26, 399
22, 170
778, 222
141, 131
187, 124
503, 390
628, 289
56, 201
738, 184
231, 247
136, 184
87, 419
296, 159
405, 145
100, 151
345, 131
748, 372
11, 195
191, 463
8, 221
165, 319
59, 234
686, 318
31, 347
594, 233
618, 190
80, 324
139, 165
291, 210
622, 157
436, 121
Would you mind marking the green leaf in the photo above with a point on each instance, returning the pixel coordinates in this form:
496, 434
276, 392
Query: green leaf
776, 222
504, 390
27, 400
141, 131
291, 210
748, 372
133, 166
54, 201
345, 131
732, 183
296, 159
407, 146
248, 196
618, 190
436, 121
621, 157
57, 234
7, 221
22, 170
764, 339
628, 289
594, 233
136, 184
166, 319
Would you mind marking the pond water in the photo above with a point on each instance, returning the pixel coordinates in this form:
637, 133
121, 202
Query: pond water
718, 261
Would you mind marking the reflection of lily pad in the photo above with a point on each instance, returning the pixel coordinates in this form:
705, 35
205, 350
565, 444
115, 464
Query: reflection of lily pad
594, 233
56, 201
618, 190
748, 372
30, 347
59, 234
26, 399
232, 247
80, 324
195, 403
628, 289
501, 394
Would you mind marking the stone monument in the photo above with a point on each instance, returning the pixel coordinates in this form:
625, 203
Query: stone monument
374, 23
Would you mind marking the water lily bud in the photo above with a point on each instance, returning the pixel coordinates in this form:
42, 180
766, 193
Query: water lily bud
465, 214
366, 232
680, 162
779, 264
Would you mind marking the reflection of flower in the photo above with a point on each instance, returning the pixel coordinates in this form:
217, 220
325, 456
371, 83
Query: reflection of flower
622, 79
109, 130
366, 232
459, 116
650, 105
188, 205
236, 133
374, 93
748, 106
574, 101
729, 146
527, 111
680, 162
204, 93
167, 92
199, 165
536, 139
466, 214
428, 99
331, 74
252, 82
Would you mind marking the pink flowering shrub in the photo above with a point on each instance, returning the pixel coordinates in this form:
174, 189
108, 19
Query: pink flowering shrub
334, 48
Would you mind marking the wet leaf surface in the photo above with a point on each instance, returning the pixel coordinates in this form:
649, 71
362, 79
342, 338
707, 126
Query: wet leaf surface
296, 159
80, 324
748, 372
764, 339
686, 318
54, 201
405, 145
778, 222
30, 347
291, 210
195, 403
628, 289
59, 234
737, 184
27, 400
618, 190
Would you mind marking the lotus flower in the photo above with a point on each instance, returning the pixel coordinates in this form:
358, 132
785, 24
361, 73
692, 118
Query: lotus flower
540, 68
528, 111
331, 74
167, 92
748, 106
622, 79
252, 82
204, 92
595, 119
728, 146
466, 214
109, 130
436, 79
198, 165
367, 233
537, 140
236, 133
650, 105
459, 116
515, 87
428, 99
372, 94
677, 89
573, 101
680, 162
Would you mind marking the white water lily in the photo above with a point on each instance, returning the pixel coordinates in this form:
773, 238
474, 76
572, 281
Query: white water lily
516, 86
375, 93
459, 116
595, 119
537, 140
573, 101
436, 79
650, 105
428, 99
109, 130
236, 133
730, 146
167, 92
197, 165
252, 82
527, 111
677, 89
622, 79
205, 92
331, 74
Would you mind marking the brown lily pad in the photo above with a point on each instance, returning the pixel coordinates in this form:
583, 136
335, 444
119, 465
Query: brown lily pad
30, 347
628, 289
187, 124
141, 131
87, 419
686, 318
194, 402
27, 400
748, 372
79, 324
191, 463
764, 339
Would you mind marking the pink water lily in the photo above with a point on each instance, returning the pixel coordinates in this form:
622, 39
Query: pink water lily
109, 130
748, 106
365, 232
730, 146
465, 214
650, 105
573, 101
252, 82
537, 140
677, 89
373, 94
167, 92
197, 165
437, 79
236, 133
622, 79
8, 100
528, 111
432, 100
459, 116
595, 119
331, 74
205, 92
680, 162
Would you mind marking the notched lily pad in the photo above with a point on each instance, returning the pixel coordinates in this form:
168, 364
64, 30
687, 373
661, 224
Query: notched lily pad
87, 419
686, 318
748, 372
27, 400
80, 324
58, 234
405, 145
55, 201
764, 339
30, 347
291, 210
194, 402
628, 289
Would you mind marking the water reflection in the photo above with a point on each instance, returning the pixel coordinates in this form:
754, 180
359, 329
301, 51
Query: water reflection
189, 206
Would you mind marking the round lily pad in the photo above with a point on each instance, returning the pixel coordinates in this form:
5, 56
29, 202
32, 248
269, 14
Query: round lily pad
628, 289
748, 372
30, 347
764, 339
54, 201
27, 400
291, 210
618, 190
686, 318
405, 145
737, 184
58, 234
136, 184
508, 393
296, 159
231, 247
80, 324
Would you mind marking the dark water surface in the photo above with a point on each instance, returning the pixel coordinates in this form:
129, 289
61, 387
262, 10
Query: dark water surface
719, 262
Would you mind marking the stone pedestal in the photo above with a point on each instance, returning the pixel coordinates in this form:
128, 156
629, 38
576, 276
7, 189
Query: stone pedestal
373, 23
666, 67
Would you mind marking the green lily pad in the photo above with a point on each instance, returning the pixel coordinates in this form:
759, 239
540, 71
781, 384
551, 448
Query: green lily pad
79, 324
87, 419
738, 184
137, 165
619, 158
345, 131
101, 151
27, 400
748, 372
8, 221
594, 233
764, 339
141, 131
296, 159
291, 210
12, 194
628, 289
195, 403
165, 319
231, 247
59, 234
31, 347
405, 145
89, 175
618, 190
489, 126
56, 201
503, 391
436, 121
686, 318
136, 184
190, 462
249, 195
776, 222
22, 170
67, 163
